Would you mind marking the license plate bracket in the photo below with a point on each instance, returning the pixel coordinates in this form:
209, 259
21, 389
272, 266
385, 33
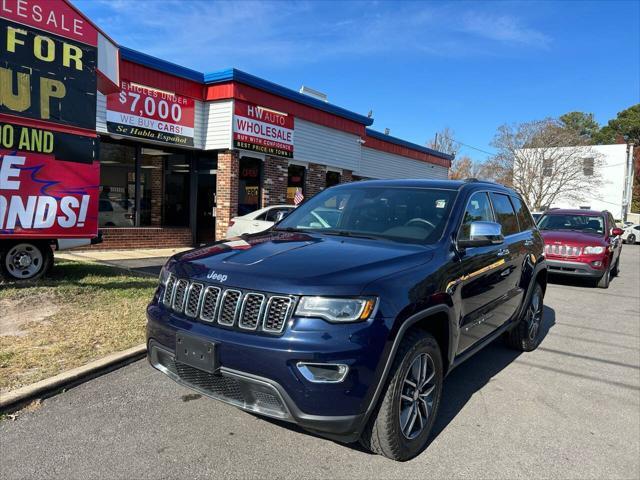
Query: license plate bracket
196, 352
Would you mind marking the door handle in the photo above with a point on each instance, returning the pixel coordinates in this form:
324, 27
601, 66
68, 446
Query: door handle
503, 252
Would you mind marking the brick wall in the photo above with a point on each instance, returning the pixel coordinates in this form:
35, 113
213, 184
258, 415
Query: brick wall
346, 177
120, 238
316, 179
226, 191
274, 183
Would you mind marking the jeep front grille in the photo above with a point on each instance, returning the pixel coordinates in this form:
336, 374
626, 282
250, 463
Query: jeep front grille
563, 250
232, 308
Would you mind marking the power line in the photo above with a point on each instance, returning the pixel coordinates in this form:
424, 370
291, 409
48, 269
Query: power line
469, 146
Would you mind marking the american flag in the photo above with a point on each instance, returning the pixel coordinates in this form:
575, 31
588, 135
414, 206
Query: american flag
298, 197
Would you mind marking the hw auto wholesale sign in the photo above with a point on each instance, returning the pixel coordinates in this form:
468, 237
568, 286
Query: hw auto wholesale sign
48, 173
145, 112
262, 130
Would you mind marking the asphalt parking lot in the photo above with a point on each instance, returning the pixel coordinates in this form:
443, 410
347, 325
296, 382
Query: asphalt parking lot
571, 409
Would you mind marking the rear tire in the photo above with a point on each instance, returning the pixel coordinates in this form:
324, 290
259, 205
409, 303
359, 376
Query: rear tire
24, 260
525, 336
631, 239
400, 425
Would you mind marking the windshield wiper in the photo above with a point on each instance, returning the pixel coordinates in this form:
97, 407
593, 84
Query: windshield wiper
346, 233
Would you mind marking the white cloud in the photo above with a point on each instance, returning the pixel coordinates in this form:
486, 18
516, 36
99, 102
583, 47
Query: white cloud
210, 35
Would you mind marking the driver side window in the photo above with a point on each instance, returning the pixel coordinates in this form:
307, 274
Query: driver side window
478, 209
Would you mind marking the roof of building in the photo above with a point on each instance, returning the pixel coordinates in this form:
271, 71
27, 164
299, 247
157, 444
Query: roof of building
235, 75
414, 146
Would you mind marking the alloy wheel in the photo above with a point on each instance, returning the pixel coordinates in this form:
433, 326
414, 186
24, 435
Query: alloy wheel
417, 396
534, 314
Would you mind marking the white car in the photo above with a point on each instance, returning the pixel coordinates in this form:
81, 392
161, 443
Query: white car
258, 221
631, 234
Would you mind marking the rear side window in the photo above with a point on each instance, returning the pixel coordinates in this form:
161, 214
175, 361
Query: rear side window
505, 215
478, 210
524, 217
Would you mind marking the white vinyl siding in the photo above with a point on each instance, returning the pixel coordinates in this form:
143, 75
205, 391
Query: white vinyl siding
378, 164
325, 146
217, 121
101, 113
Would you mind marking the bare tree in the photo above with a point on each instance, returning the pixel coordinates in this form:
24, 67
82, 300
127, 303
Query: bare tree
536, 160
443, 142
464, 167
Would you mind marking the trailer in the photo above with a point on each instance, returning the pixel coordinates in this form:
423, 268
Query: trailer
53, 61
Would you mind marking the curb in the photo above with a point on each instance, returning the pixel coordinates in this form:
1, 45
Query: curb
48, 387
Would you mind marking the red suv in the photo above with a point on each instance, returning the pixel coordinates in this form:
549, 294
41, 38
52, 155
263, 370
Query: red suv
584, 243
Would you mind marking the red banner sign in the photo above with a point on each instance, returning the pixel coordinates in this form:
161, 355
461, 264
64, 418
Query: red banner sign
145, 112
43, 197
51, 16
262, 130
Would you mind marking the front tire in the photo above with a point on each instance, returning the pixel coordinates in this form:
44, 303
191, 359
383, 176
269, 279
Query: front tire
525, 336
631, 239
605, 279
25, 261
399, 428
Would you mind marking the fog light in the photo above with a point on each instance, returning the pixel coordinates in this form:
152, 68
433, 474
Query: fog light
597, 263
323, 372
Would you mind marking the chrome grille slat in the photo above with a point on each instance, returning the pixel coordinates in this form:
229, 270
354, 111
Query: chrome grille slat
563, 250
167, 299
210, 304
180, 295
251, 311
229, 306
277, 314
245, 310
194, 296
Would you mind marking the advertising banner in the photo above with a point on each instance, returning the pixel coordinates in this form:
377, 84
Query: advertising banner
145, 112
46, 77
262, 130
43, 194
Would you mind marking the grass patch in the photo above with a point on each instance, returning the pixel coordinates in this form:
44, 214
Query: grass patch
79, 313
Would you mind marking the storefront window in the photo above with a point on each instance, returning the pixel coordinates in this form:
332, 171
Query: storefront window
117, 185
249, 185
177, 190
333, 178
295, 181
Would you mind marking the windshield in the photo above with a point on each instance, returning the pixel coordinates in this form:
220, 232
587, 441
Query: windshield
413, 215
578, 223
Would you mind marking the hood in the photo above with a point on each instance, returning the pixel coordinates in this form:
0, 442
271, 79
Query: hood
298, 263
566, 237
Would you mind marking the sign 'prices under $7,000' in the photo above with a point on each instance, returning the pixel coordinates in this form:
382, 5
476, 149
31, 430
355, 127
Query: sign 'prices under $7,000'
145, 112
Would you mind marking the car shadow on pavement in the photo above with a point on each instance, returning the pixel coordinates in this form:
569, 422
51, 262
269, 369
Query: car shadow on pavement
463, 382
576, 281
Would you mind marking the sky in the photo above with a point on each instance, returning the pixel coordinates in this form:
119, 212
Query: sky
420, 66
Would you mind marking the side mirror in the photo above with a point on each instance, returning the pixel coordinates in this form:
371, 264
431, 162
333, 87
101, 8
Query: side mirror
482, 234
616, 232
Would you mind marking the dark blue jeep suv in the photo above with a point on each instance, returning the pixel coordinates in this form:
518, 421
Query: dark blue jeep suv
347, 314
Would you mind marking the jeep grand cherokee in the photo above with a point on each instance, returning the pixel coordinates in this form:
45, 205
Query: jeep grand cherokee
346, 324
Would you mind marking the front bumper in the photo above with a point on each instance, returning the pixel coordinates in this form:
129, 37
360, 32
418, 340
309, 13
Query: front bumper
258, 372
573, 268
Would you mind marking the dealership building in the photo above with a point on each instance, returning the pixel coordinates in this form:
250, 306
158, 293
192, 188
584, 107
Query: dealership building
182, 152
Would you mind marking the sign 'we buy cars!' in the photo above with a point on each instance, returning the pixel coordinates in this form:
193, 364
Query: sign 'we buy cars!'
146, 112
262, 130
49, 174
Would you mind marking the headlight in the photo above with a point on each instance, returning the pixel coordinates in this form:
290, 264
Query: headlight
592, 250
336, 309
